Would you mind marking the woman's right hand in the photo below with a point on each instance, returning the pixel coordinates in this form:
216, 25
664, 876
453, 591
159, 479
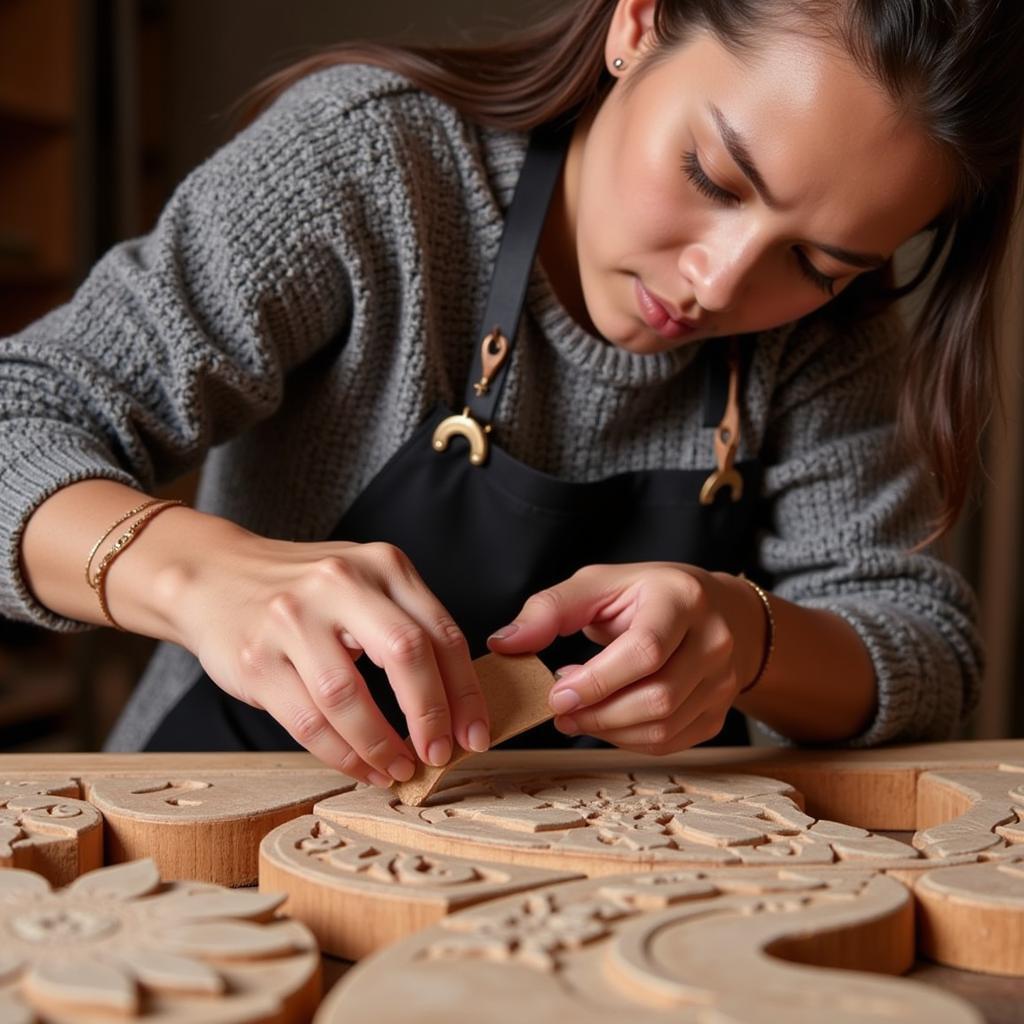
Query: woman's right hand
281, 625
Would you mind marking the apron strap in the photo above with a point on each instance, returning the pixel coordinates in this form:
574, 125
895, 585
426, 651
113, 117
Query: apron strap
727, 432
523, 224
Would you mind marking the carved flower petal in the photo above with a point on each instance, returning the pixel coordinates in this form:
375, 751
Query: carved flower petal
9, 834
228, 940
10, 965
17, 886
158, 970
84, 984
183, 905
120, 882
12, 1012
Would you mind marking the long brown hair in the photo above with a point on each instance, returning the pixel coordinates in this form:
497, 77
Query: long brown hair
955, 65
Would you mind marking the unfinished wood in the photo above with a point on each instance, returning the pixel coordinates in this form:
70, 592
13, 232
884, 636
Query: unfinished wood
680, 946
358, 895
972, 917
119, 943
44, 828
207, 825
975, 812
604, 822
516, 690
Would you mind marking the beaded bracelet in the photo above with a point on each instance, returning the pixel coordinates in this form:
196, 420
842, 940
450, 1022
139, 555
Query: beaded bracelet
769, 640
150, 510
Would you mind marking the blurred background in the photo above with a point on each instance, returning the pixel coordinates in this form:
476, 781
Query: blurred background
106, 104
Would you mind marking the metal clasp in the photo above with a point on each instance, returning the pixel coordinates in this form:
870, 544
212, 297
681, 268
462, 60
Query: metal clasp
727, 440
465, 426
494, 351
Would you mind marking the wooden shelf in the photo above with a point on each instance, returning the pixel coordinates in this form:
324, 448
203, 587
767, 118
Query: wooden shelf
37, 58
43, 120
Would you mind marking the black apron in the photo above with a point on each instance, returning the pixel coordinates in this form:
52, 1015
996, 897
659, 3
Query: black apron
486, 531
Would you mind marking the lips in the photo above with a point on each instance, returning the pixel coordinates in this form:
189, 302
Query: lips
657, 317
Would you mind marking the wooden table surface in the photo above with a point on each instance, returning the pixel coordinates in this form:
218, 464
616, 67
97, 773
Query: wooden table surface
1001, 1000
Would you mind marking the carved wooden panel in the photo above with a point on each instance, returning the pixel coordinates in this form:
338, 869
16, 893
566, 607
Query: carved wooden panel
725, 845
676, 946
206, 826
119, 943
359, 894
601, 823
44, 828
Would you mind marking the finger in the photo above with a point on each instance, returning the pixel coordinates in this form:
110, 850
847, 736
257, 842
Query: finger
707, 703
650, 739
400, 645
655, 699
467, 707
287, 701
558, 611
655, 632
339, 691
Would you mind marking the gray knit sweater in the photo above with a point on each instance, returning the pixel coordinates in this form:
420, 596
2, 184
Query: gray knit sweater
316, 286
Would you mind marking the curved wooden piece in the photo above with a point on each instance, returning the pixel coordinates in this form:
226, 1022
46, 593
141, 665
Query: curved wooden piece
43, 828
206, 827
600, 823
972, 917
679, 946
358, 895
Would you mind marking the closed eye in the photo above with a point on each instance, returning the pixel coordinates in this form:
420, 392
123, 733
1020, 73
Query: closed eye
703, 184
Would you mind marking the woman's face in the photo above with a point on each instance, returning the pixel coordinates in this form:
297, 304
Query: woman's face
737, 194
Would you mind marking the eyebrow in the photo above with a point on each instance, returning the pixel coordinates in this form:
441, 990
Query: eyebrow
739, 151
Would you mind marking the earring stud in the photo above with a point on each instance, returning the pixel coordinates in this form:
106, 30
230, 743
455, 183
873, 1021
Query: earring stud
618, 63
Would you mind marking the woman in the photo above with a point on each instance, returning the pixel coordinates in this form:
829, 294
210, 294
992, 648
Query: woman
701, 383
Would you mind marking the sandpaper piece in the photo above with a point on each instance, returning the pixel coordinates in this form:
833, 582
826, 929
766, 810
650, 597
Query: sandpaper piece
516, 689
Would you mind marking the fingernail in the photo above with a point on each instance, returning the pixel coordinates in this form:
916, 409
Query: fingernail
566, 672
376, 778
505, 632
563, 701
401, 769
439, 752
479, 737
567, 725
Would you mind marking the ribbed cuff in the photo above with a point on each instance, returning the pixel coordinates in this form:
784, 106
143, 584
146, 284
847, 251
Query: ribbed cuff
27, 479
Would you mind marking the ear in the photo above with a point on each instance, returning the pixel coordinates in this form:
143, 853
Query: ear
631, 28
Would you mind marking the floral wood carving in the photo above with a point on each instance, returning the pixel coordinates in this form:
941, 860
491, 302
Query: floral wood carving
118, 942
599, 823
359, 894
665, 946
44, 828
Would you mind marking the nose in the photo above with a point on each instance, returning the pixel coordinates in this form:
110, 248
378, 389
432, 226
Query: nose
716, 272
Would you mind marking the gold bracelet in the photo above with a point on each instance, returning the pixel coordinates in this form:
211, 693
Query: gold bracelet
98, 582
769, 640
113, 526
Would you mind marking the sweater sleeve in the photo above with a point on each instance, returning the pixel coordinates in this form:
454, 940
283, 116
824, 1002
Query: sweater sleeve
845, 509
182, 339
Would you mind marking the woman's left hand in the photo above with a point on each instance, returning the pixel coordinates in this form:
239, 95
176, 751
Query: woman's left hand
680, 645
